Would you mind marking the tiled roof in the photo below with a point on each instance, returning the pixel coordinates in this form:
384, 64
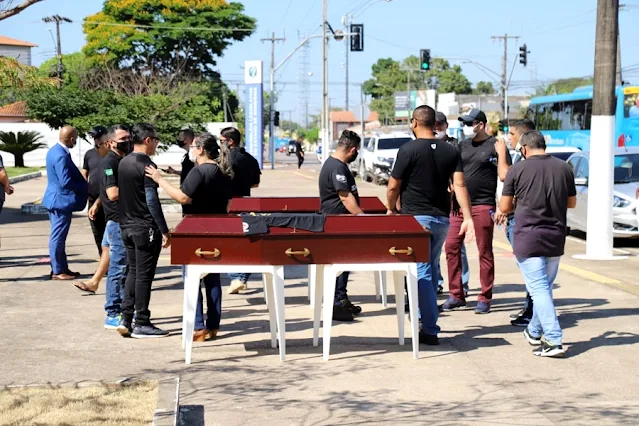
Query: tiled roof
17, 109
7, 41
373, 116
343, 117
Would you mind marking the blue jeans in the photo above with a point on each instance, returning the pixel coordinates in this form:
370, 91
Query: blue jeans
213, 287
117, 268
465, 269
239, 276
60, 225
539, 274
426, 272
510, 229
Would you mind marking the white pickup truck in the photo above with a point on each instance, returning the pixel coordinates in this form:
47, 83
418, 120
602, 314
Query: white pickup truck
377, 156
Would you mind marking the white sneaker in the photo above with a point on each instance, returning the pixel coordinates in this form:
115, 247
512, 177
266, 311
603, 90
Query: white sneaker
237, 286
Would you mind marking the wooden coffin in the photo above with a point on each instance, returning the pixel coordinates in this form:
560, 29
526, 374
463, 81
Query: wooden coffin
370, 205
346, 239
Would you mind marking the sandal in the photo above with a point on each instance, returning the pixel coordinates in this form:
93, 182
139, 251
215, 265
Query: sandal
82, 286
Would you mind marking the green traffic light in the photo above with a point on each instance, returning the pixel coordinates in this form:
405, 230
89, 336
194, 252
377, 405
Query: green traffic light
425, 66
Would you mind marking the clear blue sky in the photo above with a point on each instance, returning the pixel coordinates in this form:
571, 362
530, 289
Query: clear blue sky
559, 34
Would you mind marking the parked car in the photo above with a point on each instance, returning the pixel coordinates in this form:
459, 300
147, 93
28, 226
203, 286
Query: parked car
292, 148
377, 156
561, 152
625, 193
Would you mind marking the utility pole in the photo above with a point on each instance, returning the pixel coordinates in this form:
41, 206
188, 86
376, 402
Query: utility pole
224, 104
504, 70
271, 113
600, 181
347, 47
58, 19
361, 93
619, 79
325, 120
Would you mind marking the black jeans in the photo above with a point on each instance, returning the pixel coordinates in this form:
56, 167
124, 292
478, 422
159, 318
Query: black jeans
300, 160
143, 246
98, 226
528, 307
340, 287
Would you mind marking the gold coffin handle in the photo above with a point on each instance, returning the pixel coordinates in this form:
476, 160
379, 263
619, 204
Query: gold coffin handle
289, 252
202, 253
394, 251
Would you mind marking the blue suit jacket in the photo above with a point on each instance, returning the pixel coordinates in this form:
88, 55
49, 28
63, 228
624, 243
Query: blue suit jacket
67, 189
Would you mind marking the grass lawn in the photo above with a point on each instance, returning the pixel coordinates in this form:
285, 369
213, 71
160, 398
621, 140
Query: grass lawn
103, 405
17, 171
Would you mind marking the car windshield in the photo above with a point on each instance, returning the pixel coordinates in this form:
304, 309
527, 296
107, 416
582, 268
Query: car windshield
393, 143
563, 156
625, 167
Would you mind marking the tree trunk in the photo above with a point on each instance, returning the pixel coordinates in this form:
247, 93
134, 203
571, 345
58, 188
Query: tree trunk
19, 159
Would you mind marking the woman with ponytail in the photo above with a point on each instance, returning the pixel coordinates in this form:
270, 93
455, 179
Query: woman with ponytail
207, 188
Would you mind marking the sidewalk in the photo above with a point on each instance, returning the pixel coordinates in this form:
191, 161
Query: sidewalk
483, 371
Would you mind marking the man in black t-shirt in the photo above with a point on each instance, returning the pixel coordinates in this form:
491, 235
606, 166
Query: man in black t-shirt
299, 152
421, 179
246, 175
544, 188
91, 172
338, 195
184, 141
144, 232
484, 159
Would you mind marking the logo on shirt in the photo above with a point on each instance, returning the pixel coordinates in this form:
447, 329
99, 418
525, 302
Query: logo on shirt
108, 172
354, 188
340, 178
433, 146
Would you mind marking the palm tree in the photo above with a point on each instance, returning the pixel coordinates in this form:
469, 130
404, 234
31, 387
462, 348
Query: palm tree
21, 144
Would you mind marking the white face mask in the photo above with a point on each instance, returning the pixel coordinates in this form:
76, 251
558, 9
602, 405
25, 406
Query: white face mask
192, 157
440, 135
469, 132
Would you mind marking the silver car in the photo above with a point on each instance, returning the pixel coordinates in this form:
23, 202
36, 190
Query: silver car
625, 194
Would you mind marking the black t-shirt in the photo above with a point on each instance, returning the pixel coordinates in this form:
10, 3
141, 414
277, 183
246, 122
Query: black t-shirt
187, 166
541, 186
298, 149
246, 172
335, 176
208, 188
91, 164
134, 212
109, 178
480, 170
425, 168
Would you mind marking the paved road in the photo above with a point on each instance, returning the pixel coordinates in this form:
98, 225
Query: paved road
483, 372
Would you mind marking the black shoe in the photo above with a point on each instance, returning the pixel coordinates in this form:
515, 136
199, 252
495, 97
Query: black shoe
428, 339
517, 315
520, 322
548, 350
125, 328
440, 289
148, 332
355, 310
340, 313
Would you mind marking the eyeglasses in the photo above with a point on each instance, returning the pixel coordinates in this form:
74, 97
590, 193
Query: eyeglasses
224, 140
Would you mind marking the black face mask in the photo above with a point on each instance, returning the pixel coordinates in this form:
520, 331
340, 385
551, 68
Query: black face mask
180, 143
353, 157
124, 147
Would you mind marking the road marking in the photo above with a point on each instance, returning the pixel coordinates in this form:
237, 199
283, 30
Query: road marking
304, 176
583, 273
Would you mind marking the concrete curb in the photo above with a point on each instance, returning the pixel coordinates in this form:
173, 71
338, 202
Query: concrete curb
22, 178
167, 408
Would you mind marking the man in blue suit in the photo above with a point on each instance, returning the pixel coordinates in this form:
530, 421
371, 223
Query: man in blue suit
66, 193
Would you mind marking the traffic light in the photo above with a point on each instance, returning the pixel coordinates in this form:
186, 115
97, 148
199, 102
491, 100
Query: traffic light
523, 55
357, 39
503, 126
276, 119
424, 55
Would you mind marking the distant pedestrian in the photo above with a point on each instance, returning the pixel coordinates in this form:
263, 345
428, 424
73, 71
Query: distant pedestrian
4, 181
66, 192
484, 159
246, 176
543, 188
299, 151
91, 172
144, 232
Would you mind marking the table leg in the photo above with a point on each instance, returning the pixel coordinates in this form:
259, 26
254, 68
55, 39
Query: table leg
414, 307
398, 278
378, 283
270, 305
191, 287
317, 307
383, 289
280, 302
330, 274
266, 288
312, 283
186, 276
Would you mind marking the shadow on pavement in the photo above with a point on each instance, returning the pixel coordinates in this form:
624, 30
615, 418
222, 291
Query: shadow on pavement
12, 215
191, 415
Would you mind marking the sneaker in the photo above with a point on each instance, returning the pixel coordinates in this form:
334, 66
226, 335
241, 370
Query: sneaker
428, 339
112, 321
355, 310
237, 286
452, 303
517, 315
534, 341
340, 313
482, 308
125, 327
148, 332
549, 350
520, 322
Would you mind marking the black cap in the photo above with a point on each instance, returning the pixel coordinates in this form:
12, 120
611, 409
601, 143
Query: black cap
97, 131
440, 117
474, 115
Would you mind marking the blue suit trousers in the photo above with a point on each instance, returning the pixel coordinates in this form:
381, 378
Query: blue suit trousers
60, 224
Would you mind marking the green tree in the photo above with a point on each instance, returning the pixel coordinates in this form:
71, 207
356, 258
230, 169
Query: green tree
9, 9
74, 67
156, 38
20, 144
484, 88
564, 85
